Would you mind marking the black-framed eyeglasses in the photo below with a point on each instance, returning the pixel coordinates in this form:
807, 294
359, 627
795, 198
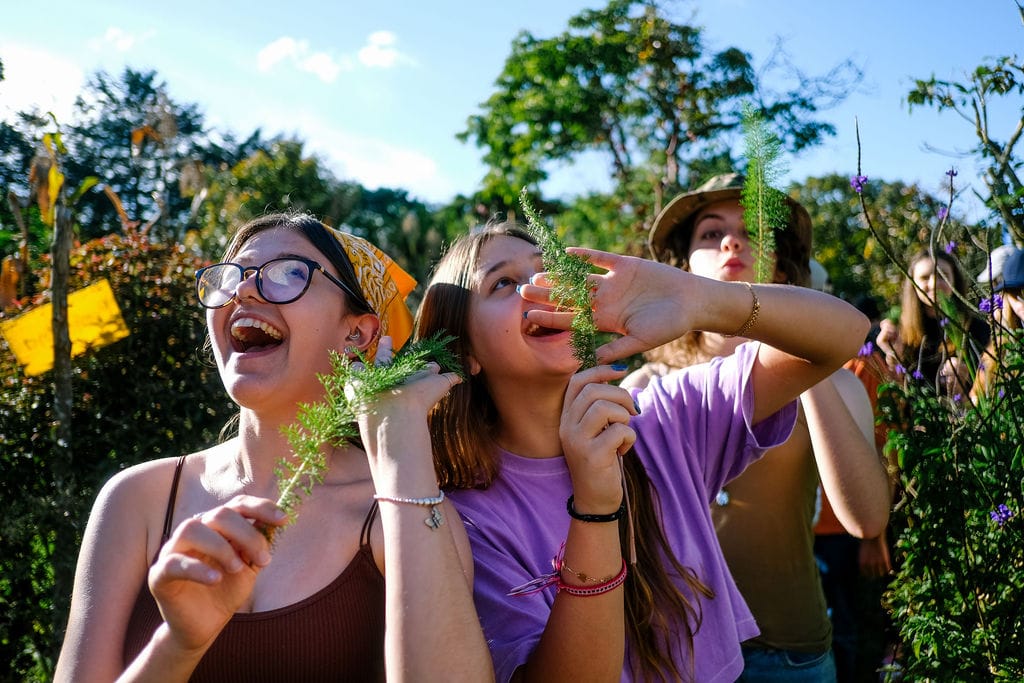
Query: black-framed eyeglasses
279, 281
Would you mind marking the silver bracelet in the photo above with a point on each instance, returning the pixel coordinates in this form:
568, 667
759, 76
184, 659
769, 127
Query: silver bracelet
434, 520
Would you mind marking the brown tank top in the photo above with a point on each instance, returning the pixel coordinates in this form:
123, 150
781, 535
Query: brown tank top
336, 634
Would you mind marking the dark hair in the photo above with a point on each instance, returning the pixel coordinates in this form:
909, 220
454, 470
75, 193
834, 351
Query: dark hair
319, 236
463, 427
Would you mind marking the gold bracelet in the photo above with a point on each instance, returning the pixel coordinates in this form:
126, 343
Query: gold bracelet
585, 578
754, 310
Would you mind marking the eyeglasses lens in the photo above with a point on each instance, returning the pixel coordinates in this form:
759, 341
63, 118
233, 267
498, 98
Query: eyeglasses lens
217, 284
283, 281
279, 281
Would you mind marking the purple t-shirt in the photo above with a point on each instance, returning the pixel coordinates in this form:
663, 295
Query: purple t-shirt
693, 436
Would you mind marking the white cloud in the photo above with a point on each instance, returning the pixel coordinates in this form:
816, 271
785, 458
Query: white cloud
298, 54
37, 79
118, 39
380, 51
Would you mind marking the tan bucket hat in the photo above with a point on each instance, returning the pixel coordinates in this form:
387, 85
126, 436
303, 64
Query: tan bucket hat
718, 188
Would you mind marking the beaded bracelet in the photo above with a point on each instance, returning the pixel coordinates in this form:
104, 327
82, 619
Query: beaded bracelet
434, 520
584, 517
754, 311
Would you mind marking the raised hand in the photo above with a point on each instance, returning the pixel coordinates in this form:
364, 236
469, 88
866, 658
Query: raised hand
595, 431
647, 302
207, 569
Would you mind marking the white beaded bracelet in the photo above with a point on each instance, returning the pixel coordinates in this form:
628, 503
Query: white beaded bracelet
434, 520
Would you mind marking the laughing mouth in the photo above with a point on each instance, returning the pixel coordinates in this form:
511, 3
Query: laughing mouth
248, 334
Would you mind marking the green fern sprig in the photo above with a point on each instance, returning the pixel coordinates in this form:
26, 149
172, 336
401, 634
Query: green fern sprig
764, 206
333, 420
571, 289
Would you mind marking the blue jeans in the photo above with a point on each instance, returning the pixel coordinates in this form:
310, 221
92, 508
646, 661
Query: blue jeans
785, 666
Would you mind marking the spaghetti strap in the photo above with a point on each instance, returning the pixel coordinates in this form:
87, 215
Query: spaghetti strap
169, 515
364, 535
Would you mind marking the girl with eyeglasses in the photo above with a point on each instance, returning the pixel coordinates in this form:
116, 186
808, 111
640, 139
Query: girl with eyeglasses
174, 580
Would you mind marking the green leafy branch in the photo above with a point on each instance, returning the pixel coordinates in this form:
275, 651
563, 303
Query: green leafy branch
347, 394
764, 206
570, 288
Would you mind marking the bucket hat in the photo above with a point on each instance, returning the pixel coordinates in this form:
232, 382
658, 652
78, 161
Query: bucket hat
684, 207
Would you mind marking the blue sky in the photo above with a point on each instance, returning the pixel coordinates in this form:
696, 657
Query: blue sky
379, 90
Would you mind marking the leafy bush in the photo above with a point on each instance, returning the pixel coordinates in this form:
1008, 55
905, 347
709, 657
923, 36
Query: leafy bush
958, 597
153, 394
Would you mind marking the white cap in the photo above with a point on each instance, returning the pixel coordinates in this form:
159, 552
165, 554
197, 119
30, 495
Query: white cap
998, 258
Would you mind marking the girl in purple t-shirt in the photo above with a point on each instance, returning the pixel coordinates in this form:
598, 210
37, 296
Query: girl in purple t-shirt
530, 448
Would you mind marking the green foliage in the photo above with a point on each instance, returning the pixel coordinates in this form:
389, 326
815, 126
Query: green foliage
764, 205
973, 99
632, 88
152, 394
903, 216
570, 289
958, 597
348, 393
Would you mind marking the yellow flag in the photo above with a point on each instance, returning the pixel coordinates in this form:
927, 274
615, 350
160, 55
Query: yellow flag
94, 320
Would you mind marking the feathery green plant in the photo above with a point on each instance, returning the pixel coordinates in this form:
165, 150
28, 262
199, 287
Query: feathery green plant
333, 420
764, 206
571, 289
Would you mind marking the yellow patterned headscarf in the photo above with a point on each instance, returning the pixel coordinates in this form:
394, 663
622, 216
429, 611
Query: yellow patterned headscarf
385, 286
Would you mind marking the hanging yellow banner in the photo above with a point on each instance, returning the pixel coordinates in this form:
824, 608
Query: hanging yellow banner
94, 320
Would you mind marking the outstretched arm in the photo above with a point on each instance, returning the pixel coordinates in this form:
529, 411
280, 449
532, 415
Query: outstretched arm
841, 426
428, 569
807, 334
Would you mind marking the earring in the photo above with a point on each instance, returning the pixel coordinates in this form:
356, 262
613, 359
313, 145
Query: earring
354, 336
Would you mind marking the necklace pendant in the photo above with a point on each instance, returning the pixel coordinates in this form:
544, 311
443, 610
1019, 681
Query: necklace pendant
722, 498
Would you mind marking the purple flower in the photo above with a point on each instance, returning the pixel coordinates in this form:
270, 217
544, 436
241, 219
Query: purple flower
957, 398
1001, 515
943, 212
950, 247
951, 173
866, 350
943, 322
899, 370
990, 303
858, 182
917, 374
1001, 393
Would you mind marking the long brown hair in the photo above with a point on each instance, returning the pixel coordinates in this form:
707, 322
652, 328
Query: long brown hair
912, 309
463, 427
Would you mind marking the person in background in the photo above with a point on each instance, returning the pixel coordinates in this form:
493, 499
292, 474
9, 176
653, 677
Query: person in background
919, 343
764, 518
846, 561
992, 274
1008, 312
529, 447
175, 580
